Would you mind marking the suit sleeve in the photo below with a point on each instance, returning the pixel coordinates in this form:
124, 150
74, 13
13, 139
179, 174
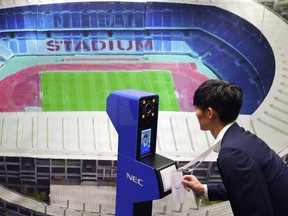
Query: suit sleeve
245, 183
217, 192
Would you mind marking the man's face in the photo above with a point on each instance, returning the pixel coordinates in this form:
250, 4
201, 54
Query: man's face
203, 118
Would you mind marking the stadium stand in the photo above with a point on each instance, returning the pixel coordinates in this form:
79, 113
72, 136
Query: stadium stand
5, 52
67, 30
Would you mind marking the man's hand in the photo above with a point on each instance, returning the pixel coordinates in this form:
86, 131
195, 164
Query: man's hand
190, 182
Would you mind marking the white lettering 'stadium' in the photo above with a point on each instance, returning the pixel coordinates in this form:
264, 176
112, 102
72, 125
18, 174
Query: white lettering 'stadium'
135, 179
99, 45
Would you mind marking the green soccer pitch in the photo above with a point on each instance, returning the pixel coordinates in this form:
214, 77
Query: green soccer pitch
87, 91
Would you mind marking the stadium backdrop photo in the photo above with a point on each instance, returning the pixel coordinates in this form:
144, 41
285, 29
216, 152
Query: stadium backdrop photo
60, 60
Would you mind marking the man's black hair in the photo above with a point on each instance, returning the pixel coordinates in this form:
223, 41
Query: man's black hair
223, 96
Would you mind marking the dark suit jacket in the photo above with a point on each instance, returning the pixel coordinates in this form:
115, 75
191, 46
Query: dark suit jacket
255, 178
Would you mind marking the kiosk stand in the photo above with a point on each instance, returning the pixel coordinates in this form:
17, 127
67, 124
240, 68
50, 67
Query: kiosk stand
142, 175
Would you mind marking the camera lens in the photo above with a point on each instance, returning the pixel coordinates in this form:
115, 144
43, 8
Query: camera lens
148, 108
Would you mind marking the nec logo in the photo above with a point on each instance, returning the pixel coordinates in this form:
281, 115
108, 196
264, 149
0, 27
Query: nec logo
135, 179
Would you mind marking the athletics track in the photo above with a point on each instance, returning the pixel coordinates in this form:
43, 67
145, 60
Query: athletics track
22, 89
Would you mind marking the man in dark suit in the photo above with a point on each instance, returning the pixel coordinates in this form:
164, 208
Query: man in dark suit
255, 179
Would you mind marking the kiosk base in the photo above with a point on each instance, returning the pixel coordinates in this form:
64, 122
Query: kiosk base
142, 208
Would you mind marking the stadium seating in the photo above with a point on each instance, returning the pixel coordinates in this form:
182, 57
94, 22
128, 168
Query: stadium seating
5, 52
227, 44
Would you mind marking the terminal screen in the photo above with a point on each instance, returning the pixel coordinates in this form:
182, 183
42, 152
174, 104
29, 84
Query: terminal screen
145, 142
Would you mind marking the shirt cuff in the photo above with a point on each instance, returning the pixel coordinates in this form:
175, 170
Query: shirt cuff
206, 191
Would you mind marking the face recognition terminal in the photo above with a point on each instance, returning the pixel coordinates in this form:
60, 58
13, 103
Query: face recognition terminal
142, 175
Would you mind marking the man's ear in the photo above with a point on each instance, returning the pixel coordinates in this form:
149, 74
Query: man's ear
211, 113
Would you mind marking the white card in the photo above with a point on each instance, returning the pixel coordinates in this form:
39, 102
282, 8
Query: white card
178, 190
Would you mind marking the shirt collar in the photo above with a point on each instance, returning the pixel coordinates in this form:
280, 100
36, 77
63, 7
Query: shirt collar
217, 143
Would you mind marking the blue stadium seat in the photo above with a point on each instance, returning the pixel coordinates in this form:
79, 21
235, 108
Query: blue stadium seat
5, 52
13, 44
